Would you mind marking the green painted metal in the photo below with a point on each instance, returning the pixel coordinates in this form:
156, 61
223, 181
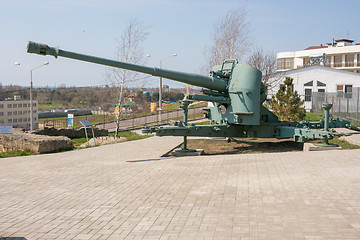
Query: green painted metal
235, 94
326, 143
214, 82
185, 107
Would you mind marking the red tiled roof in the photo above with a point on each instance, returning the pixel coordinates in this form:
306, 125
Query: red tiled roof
315, 47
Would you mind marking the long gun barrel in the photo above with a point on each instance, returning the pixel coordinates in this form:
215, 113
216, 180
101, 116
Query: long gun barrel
213, 83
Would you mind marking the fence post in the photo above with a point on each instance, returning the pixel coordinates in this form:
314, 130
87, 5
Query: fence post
339, 107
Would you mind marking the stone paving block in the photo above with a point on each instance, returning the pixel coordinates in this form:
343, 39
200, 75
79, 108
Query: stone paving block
126, 191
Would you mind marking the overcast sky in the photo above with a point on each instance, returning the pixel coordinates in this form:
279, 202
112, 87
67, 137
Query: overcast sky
175, 26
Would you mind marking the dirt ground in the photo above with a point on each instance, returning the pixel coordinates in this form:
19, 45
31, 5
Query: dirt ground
244, 145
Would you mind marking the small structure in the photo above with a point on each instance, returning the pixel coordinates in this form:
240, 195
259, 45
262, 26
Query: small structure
316, 78
86, 123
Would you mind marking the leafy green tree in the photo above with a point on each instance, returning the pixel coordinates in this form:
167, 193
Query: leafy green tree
287, 103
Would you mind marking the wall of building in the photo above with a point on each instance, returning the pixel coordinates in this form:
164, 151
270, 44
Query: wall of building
340, 57
16, 113
323, 80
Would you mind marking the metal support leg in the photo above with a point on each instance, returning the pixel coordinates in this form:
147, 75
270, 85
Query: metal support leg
327, 107
185, 107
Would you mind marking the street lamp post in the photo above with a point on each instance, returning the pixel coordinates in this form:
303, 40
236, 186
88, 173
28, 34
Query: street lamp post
160, 86
31, 86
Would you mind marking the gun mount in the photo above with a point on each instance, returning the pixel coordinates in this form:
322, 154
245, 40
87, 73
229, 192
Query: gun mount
235, 94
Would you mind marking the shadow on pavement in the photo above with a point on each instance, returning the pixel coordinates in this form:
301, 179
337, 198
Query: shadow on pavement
148, 160
12, 238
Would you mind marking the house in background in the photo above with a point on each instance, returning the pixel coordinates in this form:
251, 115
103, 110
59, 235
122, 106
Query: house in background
308, 80
342, 54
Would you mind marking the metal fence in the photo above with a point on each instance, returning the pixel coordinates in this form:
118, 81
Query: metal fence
109, 122
345, 105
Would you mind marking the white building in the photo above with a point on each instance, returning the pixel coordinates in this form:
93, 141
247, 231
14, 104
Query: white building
16, 113
317, 78
342, 54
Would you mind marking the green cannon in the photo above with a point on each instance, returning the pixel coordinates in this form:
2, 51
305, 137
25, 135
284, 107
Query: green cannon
234, 93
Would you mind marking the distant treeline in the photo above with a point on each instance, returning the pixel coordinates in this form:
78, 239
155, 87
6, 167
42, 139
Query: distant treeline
87, 96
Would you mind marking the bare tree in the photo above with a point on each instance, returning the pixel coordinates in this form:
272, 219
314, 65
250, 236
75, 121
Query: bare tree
231, 38
130, 50
265, 62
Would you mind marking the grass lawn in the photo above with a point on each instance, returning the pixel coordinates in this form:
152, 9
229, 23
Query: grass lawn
16, 153
129, 135
313, 117
54, 104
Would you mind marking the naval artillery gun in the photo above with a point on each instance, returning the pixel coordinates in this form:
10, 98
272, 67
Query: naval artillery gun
235, 94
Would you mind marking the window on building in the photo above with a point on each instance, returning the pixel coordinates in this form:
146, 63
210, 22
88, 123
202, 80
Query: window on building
19, 112
24, 119
348, 91
338, 61
308, 92
34, 104
348, 88
9, 120
9, 105
25, 105
358, 60
14, 105
340, 88
2, 121
19, 105
9, 113
1, 105
321, 95
20, 120
285, 63
15, 113
320, 84
1, 113
15, 120
309, 84
349, 60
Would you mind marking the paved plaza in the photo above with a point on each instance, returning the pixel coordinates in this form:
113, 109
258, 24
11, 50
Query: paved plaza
126, 191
